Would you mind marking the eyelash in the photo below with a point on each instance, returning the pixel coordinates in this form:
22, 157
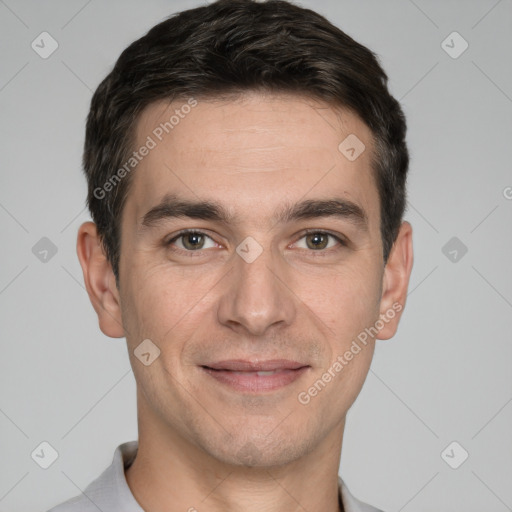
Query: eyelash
319, 253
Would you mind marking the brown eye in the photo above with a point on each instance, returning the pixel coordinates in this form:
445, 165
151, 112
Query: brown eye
192, 241
321, 242
317, 240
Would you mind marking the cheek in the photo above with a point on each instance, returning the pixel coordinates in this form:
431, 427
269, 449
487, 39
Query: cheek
165, 306
346, 300
149, 304
349, 306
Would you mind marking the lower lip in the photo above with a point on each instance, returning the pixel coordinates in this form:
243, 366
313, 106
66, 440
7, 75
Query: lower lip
252, 382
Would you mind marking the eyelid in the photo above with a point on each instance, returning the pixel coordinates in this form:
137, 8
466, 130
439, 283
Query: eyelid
339, 238
186, 231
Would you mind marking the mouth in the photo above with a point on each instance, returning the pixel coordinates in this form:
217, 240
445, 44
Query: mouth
255, 376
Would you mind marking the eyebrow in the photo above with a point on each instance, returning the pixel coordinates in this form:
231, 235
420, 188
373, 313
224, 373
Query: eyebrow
171, 207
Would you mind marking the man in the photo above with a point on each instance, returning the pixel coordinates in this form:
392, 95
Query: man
246, 167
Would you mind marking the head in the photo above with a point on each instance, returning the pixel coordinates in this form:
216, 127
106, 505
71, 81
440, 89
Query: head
271, 135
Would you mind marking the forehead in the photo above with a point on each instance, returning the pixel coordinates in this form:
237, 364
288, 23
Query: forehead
252, 153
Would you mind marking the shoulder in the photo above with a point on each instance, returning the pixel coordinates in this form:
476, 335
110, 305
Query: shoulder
77, 504
109, 492
351, 503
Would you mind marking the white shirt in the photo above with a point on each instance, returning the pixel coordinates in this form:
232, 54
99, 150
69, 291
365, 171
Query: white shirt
110, 491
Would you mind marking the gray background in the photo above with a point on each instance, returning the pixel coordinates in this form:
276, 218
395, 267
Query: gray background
446, 376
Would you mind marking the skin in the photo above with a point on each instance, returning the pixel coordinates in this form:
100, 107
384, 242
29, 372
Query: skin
203, 445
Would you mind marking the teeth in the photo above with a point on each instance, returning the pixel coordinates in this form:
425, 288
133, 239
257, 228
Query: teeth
262, 374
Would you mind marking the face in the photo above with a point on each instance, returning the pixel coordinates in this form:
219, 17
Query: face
280, 272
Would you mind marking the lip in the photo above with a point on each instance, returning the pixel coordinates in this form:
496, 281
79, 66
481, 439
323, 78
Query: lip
245, 376
242, 365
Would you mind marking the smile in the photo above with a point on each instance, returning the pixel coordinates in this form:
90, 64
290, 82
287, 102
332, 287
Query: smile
255, 377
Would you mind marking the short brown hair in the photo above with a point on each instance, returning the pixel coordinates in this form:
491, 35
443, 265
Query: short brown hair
234, 46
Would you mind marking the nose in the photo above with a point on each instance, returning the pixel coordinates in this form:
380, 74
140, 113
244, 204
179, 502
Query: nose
256, 297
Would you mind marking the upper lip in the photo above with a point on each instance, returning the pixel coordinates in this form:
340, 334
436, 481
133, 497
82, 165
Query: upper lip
240, 365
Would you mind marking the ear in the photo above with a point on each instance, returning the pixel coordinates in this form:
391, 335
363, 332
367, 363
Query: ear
396, 281
99, 280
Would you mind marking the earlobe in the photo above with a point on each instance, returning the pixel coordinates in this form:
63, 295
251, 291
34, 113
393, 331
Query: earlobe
99, 280
396, 281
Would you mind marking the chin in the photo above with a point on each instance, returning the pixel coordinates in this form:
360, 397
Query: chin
258, 450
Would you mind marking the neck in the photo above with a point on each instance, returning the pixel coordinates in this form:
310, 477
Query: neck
172, 473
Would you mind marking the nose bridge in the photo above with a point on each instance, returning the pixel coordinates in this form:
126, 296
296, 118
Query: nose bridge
256, 297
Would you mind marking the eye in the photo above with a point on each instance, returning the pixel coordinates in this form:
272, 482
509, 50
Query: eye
319, 241
194, 241
191, 241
